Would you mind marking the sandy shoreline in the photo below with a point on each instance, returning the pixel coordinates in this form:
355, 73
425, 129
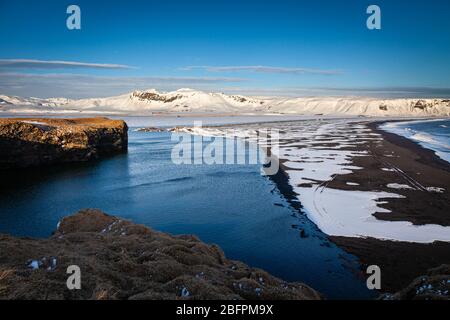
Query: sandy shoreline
410, 185
402, 261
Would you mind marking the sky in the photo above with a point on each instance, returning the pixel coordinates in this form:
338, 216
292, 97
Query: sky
253, 47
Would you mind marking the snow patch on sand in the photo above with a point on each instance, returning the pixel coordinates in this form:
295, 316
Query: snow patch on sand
313, 153
435, 189
34, 122
399, 186
350, 214
34, 264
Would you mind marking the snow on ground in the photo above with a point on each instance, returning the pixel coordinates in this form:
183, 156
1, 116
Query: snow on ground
435, 189
34, 264
399, 186
314, 152
189, 101
34, 122
350, 214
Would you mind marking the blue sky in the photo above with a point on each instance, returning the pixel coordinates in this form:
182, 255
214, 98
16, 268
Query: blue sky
250, 47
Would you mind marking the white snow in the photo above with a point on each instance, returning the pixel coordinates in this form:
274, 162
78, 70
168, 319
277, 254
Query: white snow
399, 186
435, 189
314, 153
185, 292
34, 122
350, 214
195, 101
34, 264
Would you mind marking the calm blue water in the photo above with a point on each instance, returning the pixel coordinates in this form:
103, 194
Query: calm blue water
434, 134
230, 205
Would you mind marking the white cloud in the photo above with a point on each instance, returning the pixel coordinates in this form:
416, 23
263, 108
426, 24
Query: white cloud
56, 64
380, 92
263, 69
81, 86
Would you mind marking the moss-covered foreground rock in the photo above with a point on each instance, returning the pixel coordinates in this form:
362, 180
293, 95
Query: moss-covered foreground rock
122, 260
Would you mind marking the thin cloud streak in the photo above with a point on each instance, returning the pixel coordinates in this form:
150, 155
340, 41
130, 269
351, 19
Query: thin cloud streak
376, 92
88, 86
56, 64
83, 86
262, 69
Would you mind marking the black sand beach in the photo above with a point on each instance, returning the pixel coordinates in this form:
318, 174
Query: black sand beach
413, 165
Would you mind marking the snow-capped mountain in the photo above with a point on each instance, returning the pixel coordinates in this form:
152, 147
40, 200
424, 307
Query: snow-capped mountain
194, 101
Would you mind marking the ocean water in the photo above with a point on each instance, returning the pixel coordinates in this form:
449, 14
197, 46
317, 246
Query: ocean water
431, 134
229, 205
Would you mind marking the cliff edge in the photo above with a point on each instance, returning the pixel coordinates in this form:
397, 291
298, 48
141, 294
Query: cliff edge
30, 142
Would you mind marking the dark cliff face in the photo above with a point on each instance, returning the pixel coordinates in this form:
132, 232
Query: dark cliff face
37, 142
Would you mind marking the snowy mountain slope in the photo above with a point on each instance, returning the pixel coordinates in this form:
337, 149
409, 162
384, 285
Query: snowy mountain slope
18, 101
364, 106
193, 101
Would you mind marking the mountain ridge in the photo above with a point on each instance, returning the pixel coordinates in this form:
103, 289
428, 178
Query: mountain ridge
185, 100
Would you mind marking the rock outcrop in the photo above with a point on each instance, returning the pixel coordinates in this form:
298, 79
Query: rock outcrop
151, 96
121, 260
35, 142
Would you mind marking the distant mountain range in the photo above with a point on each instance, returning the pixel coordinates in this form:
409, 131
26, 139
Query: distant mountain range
198, 102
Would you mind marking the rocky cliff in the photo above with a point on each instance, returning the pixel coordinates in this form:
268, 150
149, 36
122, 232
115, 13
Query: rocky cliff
35, 142
122, 260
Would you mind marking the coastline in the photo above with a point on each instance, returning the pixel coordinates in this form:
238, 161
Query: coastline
423, 138
400, 261
408, 162
426, 154
349, 150
392, 160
